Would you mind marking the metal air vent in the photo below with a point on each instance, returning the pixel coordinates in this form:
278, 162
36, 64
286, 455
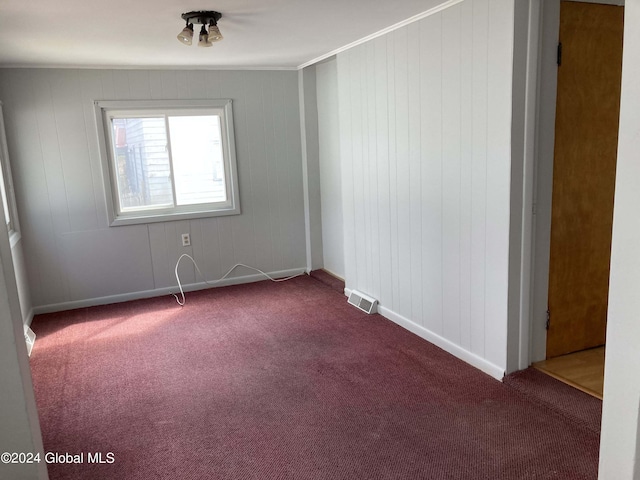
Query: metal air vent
363, 302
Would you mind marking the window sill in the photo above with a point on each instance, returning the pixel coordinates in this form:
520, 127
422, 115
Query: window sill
147, 217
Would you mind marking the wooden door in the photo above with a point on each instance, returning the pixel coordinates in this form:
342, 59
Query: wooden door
587, 111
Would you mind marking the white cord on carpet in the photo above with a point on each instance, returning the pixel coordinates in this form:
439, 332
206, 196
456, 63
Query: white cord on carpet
214, 282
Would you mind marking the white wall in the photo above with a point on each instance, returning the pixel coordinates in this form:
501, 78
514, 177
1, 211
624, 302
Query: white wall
20, 428
71, 254
330, 167
620, 448
425, 124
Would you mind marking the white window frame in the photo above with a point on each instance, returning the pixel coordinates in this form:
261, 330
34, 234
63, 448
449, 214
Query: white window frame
13, 227
106, 110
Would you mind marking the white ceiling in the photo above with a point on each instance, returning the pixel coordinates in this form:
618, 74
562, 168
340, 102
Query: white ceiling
128, 33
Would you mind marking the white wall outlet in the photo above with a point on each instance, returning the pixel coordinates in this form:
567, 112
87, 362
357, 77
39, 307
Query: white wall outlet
186, 240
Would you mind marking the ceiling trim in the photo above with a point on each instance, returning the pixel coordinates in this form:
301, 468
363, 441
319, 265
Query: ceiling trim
148, 67
384, 31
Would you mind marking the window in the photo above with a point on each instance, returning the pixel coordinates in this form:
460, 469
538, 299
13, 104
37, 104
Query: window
168, 160
6, 187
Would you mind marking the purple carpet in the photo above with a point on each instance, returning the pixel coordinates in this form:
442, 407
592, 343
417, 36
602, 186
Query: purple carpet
559, 397
328, 279
282, 381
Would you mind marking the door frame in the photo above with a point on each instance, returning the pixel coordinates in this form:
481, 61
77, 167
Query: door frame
525, 87
543, 176
543, 172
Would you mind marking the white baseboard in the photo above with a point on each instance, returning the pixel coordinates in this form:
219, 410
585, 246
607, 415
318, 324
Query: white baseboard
448, 346
158, 292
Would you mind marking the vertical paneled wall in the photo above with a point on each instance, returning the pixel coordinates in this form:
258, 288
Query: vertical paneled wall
330, 168
71, 253
425, 131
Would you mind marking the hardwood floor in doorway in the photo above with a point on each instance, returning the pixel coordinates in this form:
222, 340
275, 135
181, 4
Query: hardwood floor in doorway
583, 370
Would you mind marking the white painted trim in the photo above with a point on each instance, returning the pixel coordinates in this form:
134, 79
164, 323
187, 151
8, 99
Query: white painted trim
9, 190
619, 3
305, 170
530, 141
545, 141
14, 238
158, 292
149, 67
29, 319
384, 31
448, 346
106, 110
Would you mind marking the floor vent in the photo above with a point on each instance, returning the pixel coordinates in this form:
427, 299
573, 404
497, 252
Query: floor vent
30, 338
363, 302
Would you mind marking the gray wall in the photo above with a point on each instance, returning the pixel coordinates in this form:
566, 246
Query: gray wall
425, 134
330, 167
72, 256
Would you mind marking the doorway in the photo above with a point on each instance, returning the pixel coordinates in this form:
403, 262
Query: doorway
585, 151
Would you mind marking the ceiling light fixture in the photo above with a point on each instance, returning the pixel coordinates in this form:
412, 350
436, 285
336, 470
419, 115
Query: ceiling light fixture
186, 35
205, 18
204, 38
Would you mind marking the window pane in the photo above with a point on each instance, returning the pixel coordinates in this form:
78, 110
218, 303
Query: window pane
168, 159
142, 163
198, 169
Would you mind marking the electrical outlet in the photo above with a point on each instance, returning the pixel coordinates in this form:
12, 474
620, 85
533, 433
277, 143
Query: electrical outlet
186, 240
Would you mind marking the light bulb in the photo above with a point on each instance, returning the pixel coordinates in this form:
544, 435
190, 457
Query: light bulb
204, 38
214, 34
186, 35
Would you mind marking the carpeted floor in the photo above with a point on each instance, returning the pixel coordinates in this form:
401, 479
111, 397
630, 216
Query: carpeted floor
328, 279
283, 381
558, 397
